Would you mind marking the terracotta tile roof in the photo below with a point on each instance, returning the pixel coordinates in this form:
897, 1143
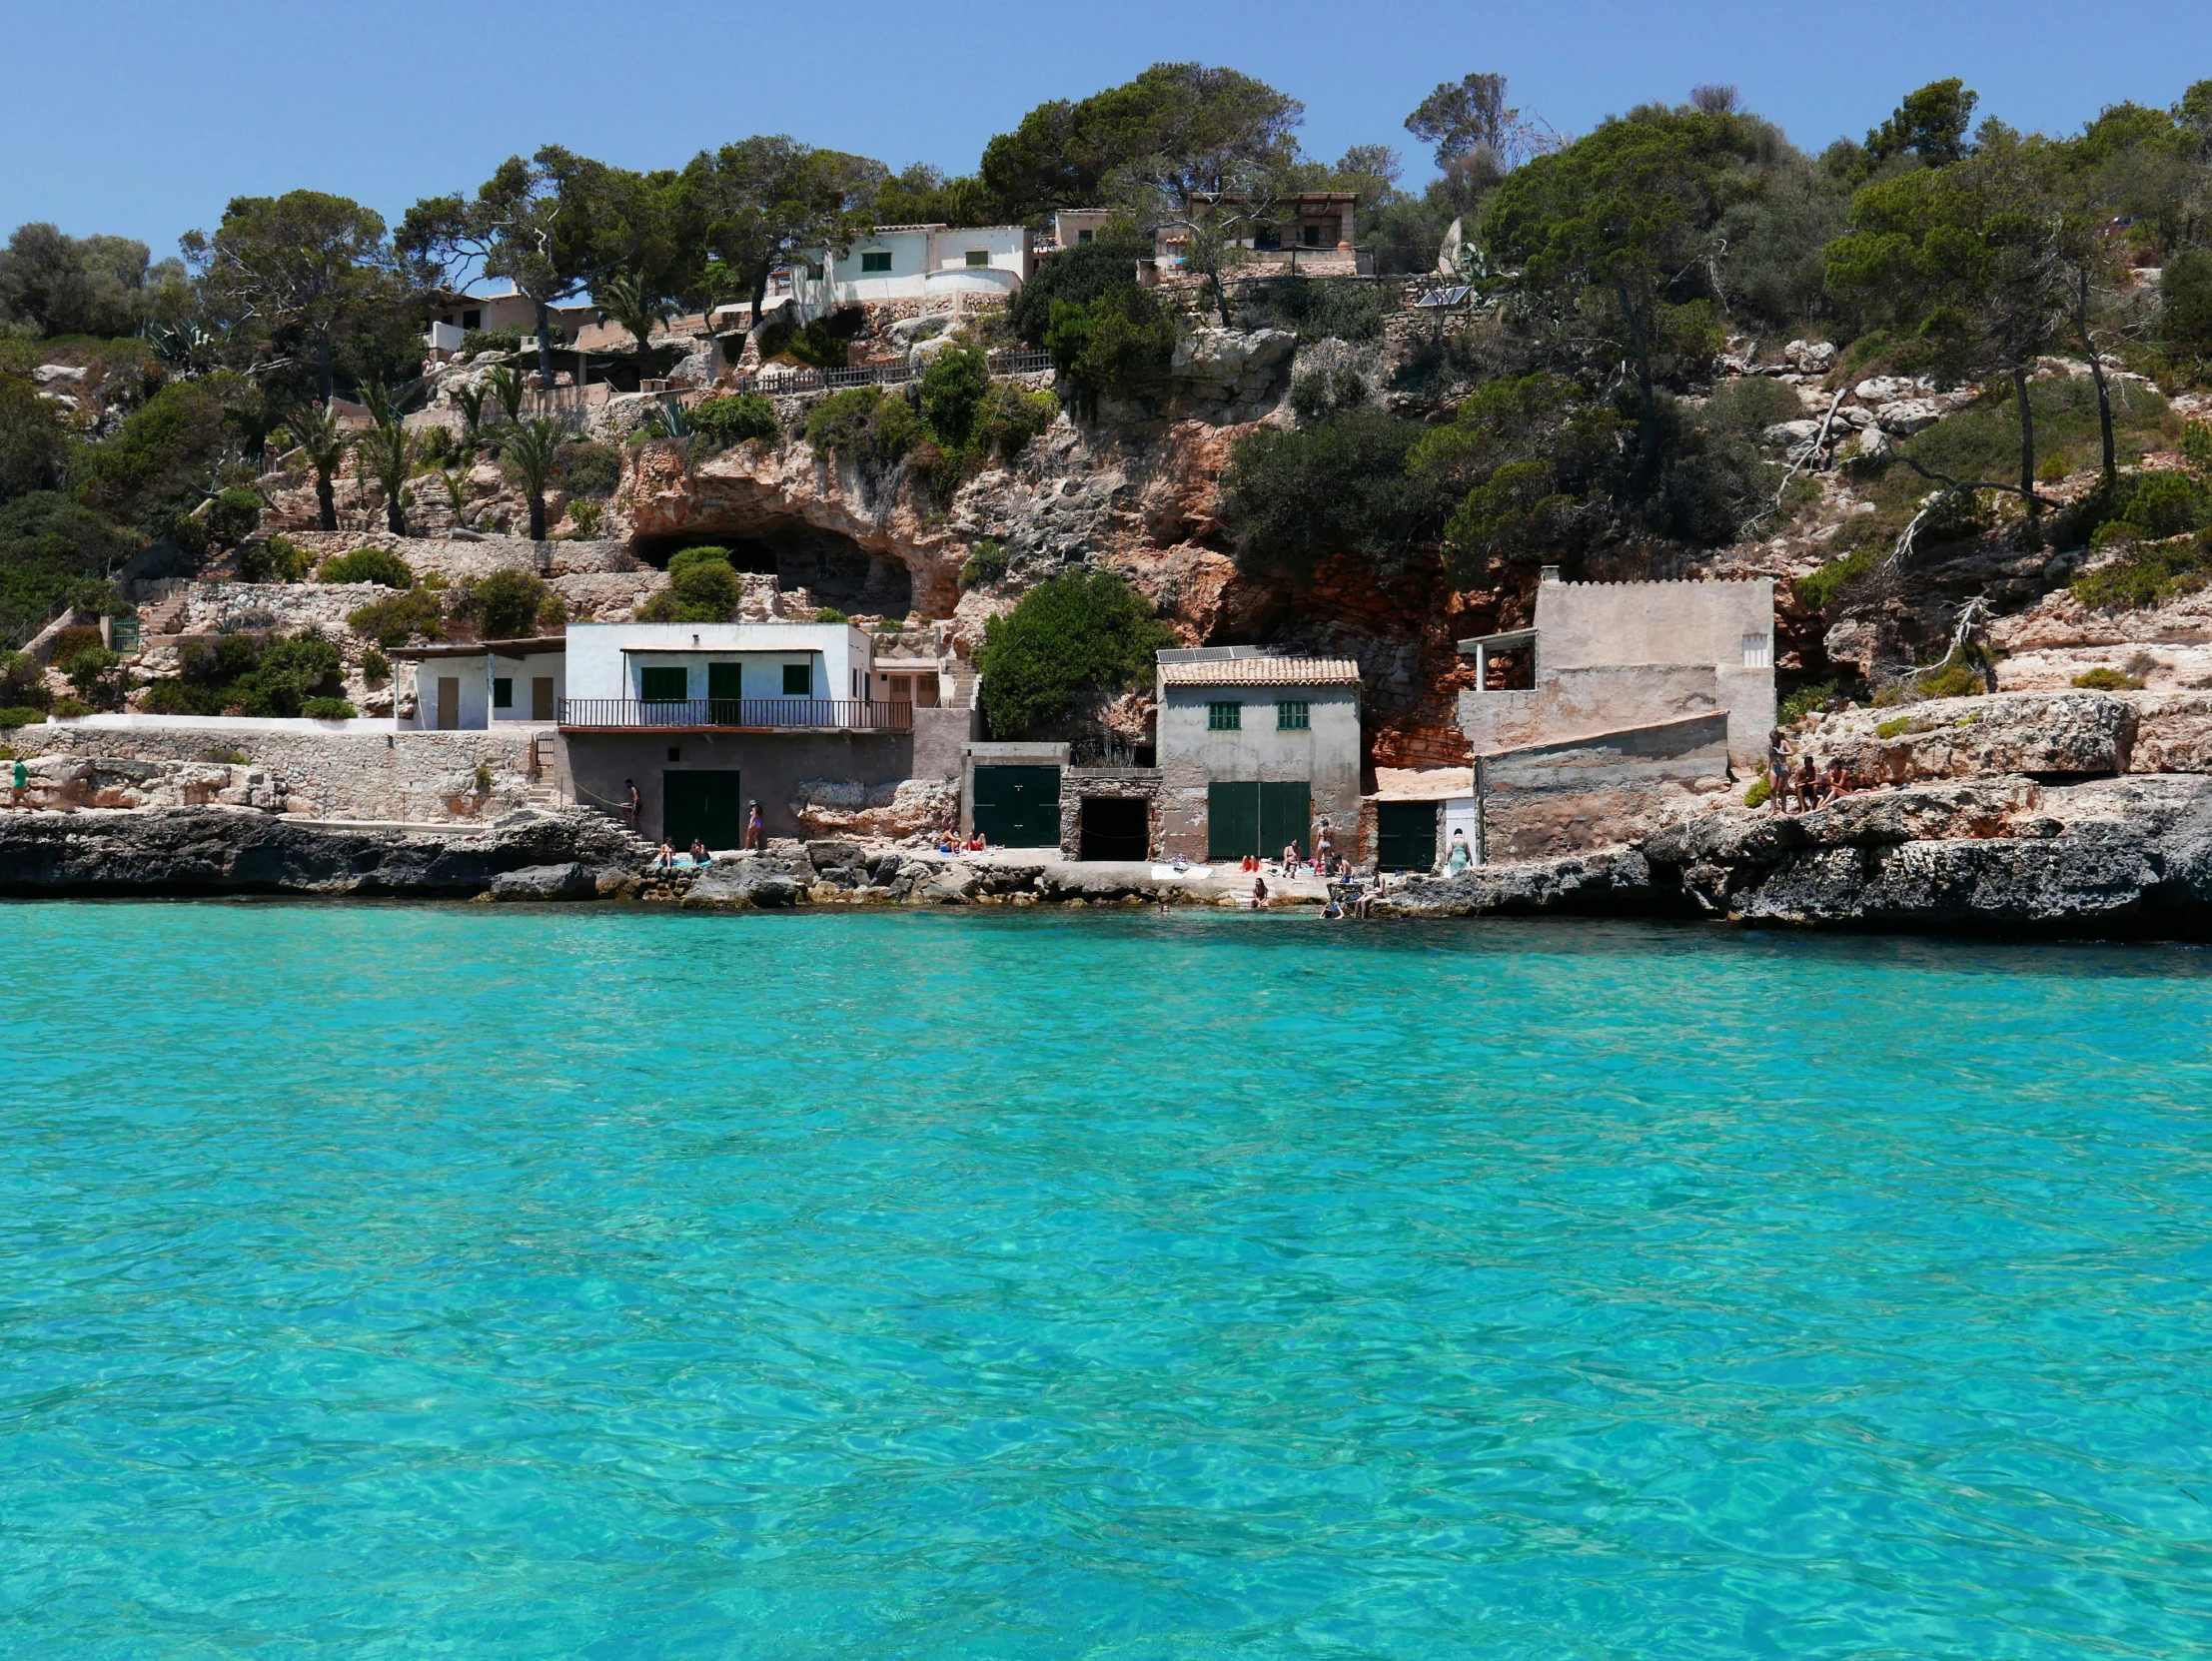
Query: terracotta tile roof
1262, 671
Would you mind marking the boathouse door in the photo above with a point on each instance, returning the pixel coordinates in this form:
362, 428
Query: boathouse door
1406, 833
702, 803
1018, 808
448, 703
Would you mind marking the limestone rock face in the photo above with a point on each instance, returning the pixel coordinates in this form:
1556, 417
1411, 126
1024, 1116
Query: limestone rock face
1606, 881
2064, 734
218, 850
571, 880
2129, 855
1234, 367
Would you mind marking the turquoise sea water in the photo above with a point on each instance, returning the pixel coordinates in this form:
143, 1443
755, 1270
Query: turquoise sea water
388, 1282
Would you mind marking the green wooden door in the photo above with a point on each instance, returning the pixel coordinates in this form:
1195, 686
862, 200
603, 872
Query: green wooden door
704, 804
1284, 818
1018, 808
1406, 834
1232, 820
725, 691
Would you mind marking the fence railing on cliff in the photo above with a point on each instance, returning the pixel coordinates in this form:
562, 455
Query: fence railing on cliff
777, 381
750, 714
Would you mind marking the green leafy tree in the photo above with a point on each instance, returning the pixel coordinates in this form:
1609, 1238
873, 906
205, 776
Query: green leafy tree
1077, 276
305, 264
1119, 344
1930, 124
510, 606
164, 460
53, 549
64, 285
765, 201
1470, 116
704, 587
531, 452
1068, 640
953, 389
1623, 220
35, 441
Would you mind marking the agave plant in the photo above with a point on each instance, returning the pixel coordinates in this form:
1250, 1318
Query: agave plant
312, 430
529, 455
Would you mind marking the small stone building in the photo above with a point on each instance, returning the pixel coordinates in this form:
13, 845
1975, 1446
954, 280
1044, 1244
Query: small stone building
1256, 751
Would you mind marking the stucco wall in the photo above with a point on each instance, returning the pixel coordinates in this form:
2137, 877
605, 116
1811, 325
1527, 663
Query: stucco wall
1589, 793
1192, 756
593, 766
1594, 624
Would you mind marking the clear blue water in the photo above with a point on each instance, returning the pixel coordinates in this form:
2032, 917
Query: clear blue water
444, 1282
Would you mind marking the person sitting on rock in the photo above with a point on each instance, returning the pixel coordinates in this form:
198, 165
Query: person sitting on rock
1838, 782
700, 855
1807, 786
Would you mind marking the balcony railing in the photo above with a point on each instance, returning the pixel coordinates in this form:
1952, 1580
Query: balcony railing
746, 714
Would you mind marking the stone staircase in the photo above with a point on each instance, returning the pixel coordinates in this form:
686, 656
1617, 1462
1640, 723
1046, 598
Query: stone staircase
960, 689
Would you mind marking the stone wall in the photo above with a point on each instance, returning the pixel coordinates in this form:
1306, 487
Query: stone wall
456, 558
1077, 784
416, 777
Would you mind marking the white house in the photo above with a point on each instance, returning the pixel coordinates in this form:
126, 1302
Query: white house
668, 663
912, 262
474, 685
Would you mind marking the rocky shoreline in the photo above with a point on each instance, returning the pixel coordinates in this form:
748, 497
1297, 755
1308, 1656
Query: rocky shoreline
2129, 856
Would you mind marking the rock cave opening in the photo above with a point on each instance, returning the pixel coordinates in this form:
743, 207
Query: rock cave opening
833, 568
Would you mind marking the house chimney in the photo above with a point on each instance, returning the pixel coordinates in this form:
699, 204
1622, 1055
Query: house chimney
1550, 573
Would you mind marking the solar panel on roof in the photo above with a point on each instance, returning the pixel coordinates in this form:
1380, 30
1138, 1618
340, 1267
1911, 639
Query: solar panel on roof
1443, 296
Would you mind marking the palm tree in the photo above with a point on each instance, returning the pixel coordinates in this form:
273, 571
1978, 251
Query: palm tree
640, 306
312, 430
506, 387
529, 456
471, 399
388, 451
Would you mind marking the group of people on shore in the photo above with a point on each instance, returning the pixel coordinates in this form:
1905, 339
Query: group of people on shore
1805, 786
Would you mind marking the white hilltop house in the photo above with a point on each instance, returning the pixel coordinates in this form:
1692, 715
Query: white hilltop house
913, 261
509, 309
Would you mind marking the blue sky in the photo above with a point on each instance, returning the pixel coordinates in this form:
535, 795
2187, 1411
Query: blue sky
144, 119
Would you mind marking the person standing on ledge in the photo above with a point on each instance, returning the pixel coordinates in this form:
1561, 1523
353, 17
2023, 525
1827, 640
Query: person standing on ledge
22, 783
1460, 855
633, 804
752, 826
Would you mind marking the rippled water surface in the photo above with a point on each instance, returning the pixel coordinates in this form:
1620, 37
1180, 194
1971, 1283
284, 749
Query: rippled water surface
442, 1281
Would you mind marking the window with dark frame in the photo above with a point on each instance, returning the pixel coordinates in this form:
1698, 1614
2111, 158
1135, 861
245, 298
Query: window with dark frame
1293, 715
502, 692
799, 680
663, 685
978, 258
879, 261
1225, 718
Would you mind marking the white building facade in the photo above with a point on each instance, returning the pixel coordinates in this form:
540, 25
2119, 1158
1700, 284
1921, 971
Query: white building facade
912, 262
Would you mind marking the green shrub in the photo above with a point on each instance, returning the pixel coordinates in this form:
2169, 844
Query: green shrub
22, 681
701, 590
473, 340
20, 715
1338, 487
367, 566
88, 670
375, 667
1077, 635
586, 515
734, 420
830, 615
1076, 276
328, 709
685, 558
233, 515
1317, 308
1954, 677
986, 562
188, 535
1760, 790
865, 425
68, 709
583, 467
280, 559
398, 618
1894, 729
2163, 504
953, 386
2104, 680
2185, 307
1806, 699
1749, 405
1011, 416
1118, 344
2145, 577
1827, 584
250, 676
509, 604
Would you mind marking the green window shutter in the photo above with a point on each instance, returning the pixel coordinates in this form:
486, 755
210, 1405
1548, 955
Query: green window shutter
1293, 715
663, 685
799, 680
1232, 821
978, 258
502, 692
1225, 718
1284, 818
726, 680
875, 262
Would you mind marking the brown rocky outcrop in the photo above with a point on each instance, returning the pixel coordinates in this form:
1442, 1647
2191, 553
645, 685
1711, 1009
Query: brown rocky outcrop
2069, 734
